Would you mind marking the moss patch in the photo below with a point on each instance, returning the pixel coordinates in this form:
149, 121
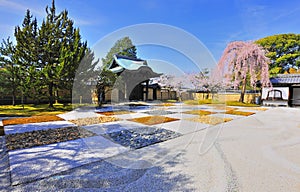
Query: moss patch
34, 119
199, 112
93, 120
212, 120
242, 113
153, 120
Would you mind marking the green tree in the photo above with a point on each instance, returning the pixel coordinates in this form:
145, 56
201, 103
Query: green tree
27, 57
86, 76
283, 51
123, 47
105, 82
61, 51
72, 52
8, 63
4, 84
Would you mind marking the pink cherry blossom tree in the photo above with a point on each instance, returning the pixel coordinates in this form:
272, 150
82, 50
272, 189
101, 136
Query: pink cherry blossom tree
241, 60
172, 83
207, 80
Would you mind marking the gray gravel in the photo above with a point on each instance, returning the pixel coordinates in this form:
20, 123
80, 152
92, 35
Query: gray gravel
159, 112
45, 137
141, 137
4, 166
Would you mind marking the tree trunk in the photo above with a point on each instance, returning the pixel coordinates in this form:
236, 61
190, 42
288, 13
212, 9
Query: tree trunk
51, 95
71, 94
14, 99
14, 96
243, 90
100, 94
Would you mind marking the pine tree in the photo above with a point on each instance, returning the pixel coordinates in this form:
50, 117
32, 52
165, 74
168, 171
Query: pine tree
8, 63
86, 75
123, 47
27, 57
61, 51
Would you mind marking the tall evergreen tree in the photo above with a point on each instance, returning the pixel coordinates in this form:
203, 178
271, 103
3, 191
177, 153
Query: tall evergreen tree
44, 58
123, 47
61, 51
8, 63
27, 57
72, 52
86, 75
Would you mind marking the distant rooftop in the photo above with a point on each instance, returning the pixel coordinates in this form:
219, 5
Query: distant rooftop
121, 63
286, 79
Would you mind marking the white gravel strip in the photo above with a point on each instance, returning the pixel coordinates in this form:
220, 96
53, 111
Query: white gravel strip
22, 128
78, 115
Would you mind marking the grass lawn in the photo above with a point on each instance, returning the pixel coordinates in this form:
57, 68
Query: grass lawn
33, 110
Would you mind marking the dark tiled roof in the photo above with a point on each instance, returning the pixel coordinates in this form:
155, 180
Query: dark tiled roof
286, 79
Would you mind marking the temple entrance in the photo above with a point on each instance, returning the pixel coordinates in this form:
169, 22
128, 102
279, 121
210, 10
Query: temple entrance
137, 93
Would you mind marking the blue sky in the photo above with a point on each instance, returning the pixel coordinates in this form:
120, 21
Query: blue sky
213, 22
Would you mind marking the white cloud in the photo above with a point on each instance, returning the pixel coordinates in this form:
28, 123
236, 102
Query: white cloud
20, 8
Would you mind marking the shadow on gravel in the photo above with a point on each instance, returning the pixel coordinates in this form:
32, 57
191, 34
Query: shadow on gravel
106, 176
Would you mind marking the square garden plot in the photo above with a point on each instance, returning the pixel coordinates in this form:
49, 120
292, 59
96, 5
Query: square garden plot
110, 113
141, 137
207, 119
242, 113
34, 119
153, 120
159, 112
199, 112
45, 137
94, 120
